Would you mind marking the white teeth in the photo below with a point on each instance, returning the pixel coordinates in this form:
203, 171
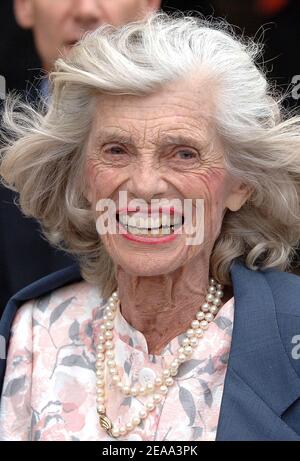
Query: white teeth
166, 230
165, 220
155, 222
176, 220
131, 221
157, 231
158, 224
124, 219
134, 230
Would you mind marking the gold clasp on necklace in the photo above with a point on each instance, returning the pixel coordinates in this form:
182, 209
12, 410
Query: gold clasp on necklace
105, 423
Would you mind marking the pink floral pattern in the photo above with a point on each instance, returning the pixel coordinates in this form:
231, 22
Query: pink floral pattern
49, 391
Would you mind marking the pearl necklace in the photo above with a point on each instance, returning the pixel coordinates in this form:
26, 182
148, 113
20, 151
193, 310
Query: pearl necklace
161, 384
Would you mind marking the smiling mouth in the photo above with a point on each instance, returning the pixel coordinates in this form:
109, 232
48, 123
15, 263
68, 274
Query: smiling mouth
148, 226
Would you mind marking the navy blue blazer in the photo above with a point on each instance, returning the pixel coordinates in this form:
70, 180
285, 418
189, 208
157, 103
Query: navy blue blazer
261, 397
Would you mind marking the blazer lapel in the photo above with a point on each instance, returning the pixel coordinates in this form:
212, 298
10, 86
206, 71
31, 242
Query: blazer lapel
260, 383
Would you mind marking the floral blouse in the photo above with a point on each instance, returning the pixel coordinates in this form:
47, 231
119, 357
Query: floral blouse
49, 390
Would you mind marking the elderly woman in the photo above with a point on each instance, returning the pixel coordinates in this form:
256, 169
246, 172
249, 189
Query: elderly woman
165, 336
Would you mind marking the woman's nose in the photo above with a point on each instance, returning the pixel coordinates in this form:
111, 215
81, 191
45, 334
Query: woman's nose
146, 181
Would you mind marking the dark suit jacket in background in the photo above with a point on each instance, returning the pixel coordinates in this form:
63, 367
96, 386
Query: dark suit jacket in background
25, 256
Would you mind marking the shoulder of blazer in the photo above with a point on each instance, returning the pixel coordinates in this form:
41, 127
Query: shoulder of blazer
39, 288
261, 398
286, 294
274, 297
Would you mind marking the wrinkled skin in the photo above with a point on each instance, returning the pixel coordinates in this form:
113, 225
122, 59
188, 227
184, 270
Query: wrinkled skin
162, 286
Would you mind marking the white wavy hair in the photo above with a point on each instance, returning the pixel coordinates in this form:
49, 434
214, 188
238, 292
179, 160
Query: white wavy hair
43, 153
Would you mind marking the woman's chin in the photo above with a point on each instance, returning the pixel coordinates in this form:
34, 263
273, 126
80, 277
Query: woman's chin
147, 269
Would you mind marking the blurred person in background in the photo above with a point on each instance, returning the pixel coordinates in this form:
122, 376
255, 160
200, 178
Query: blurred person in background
56, 25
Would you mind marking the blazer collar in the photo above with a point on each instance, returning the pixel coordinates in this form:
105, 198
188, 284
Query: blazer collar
260, 382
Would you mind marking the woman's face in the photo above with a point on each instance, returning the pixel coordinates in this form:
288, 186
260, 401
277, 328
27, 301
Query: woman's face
161, 146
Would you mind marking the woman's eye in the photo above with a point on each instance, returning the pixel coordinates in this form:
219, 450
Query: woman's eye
115, 150
186, 154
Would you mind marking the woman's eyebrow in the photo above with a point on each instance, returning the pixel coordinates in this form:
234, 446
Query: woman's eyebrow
163, 140
179, 140
114, 136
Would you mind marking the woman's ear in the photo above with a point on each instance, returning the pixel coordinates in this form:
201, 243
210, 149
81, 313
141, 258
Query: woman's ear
23, 10
238, 196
